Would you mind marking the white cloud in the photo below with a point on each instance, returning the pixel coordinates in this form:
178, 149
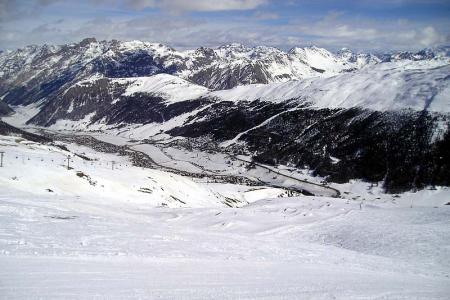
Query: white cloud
197, 5
261, 15
211, 5
335, 30
338, 30
429, 36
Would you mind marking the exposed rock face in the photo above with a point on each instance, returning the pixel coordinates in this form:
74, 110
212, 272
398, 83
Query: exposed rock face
6, 129
5, 110
104, 101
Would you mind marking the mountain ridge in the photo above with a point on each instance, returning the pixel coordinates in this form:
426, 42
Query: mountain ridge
36, 72
352, 116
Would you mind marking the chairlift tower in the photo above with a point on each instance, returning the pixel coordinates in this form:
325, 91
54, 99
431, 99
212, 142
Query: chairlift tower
1, 158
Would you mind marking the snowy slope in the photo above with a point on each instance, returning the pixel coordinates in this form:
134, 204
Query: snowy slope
326, 62
34, 169
300, 247
171, 88
34, 73
308, 248
385, 87
131, 232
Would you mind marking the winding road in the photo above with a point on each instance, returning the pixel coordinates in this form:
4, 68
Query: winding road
142, 159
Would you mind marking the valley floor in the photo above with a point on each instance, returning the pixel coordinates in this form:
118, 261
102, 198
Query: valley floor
92, 232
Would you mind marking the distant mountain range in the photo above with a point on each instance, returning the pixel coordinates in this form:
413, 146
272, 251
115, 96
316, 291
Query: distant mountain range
30, 74
382, 118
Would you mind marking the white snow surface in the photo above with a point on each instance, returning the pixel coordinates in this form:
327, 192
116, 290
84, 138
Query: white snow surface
22, 114
111, 241
319, 58
172, 88
384, 87
32, 168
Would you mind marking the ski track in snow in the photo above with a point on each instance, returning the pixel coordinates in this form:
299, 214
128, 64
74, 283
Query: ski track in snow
265, 122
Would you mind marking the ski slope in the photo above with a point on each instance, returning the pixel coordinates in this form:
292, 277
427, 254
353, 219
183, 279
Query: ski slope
314, 248
128, 237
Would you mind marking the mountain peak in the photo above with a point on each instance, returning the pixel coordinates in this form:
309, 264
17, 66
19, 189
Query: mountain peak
87, 41
232, 45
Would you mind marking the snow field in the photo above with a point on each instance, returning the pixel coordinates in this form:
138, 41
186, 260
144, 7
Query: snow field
307, 247
111, 241
36, 169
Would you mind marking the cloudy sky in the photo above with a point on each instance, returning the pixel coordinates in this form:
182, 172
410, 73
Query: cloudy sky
358, 24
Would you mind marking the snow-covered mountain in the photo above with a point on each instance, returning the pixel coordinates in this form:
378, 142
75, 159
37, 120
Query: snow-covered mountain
343, 115
34, 73
414, 86
137, 171
381, 123
384, 87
